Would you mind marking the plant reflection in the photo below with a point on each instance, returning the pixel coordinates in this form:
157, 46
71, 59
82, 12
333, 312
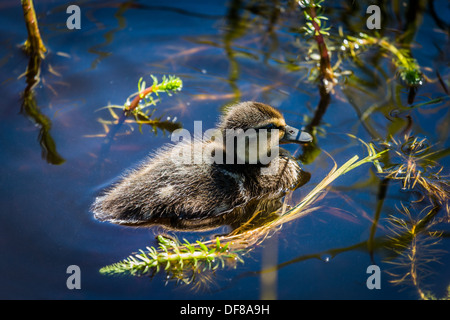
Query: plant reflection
31, 110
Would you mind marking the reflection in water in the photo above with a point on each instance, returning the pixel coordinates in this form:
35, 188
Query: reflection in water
312, 150
109, 35
32, 111
236, 27
122, 8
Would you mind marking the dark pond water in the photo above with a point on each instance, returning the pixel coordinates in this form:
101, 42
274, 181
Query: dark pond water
224, 51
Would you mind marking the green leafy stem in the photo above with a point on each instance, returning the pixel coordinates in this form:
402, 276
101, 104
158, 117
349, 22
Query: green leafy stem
168, 85
173, 255
408, 67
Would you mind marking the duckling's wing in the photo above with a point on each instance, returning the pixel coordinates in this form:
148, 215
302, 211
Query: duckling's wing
171, 184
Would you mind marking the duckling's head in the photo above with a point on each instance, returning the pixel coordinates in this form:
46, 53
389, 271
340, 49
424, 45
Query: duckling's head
259, 123
257, 115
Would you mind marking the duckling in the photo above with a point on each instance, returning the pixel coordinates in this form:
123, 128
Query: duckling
171, 185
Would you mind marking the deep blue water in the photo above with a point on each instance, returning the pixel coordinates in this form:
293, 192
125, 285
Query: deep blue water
45, 223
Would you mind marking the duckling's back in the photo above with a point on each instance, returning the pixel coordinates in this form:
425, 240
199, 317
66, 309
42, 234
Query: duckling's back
164, 188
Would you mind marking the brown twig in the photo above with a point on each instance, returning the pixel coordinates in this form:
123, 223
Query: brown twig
141, 95
33, 45
326, 71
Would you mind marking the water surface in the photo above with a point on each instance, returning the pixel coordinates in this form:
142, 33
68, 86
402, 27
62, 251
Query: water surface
224, 51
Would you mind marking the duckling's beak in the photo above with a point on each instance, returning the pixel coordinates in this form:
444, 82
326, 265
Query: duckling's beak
294, 135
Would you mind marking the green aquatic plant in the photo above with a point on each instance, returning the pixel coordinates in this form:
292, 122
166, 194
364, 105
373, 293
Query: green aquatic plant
174, 257
138, 111
138, 107
407, 67
168, 85
412, 236
145, 97
414, 243
412, 163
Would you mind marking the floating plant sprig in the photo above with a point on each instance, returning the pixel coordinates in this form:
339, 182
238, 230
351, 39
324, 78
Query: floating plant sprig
168, 85
144, 98
137, 107
174, 256
314, 25
139, 111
